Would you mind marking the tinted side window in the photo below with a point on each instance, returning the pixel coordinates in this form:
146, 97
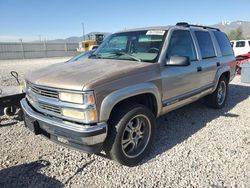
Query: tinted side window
181, 44
205, 44
249, 43
240, 44
224, 43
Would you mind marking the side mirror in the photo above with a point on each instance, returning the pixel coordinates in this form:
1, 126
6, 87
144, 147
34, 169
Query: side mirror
178, 61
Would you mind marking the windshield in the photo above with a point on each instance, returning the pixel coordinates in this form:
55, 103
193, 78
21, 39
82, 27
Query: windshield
134, 46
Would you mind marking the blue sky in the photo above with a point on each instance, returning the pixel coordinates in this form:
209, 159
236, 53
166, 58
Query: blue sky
53, 19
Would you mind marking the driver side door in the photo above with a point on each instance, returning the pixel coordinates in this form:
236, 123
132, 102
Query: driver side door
179, 82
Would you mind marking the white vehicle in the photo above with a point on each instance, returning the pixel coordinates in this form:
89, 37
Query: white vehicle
240, 46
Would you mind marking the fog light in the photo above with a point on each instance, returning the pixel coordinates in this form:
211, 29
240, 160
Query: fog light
77, 114
87, 116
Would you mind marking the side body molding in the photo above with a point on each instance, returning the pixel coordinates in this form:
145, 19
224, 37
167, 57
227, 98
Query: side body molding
113, 98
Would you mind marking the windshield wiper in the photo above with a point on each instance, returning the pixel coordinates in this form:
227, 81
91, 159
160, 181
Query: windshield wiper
97, 56
124, 53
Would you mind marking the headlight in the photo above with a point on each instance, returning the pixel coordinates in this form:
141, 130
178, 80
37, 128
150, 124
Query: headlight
88, 115
71, 97
79, 98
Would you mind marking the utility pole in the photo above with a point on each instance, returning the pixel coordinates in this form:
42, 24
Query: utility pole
83, 32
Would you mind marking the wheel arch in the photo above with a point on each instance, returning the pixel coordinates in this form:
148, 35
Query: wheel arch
146, 93
224, 71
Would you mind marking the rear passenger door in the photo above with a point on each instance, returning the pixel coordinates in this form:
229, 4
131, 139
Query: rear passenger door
208, 60
225, 51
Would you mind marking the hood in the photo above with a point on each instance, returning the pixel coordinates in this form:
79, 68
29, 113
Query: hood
77, 75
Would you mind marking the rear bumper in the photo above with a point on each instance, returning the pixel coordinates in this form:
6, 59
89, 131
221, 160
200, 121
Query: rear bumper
82, 137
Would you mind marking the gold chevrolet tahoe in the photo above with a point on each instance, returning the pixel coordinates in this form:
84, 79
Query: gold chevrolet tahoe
110, 100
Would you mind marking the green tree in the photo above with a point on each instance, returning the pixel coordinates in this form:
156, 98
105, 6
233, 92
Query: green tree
236, 34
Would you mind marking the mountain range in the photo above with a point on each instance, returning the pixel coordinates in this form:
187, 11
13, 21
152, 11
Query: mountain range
229, 26
224, 26
75, 39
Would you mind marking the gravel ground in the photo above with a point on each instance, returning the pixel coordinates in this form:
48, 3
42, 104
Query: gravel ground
195, 147
22, 66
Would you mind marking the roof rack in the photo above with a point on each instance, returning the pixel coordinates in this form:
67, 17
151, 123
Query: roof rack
185, 24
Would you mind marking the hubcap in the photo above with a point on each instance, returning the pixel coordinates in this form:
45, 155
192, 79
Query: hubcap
221, 93
136, 136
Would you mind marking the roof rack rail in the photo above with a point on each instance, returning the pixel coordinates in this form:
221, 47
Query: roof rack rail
185, 24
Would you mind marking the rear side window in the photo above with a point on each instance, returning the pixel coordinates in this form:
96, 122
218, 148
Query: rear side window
249, 43
181, 44
224, 43
205, 44
232, 44
240, 44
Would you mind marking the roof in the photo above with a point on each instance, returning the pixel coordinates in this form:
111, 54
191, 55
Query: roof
146, 28
178, 25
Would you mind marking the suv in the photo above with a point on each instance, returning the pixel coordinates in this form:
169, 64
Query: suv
110, 101
240, 46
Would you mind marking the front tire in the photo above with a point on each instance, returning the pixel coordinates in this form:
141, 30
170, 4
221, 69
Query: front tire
130, 136
218, 98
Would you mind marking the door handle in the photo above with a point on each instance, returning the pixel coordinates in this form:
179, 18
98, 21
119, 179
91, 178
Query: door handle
218, 64
199, 69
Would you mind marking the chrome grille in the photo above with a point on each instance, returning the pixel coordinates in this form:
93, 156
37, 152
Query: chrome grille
50, 108
44, 92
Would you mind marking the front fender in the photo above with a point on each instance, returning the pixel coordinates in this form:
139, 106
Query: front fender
113, 98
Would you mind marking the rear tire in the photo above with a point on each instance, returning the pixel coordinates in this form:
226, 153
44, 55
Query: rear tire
218, 98
130, 135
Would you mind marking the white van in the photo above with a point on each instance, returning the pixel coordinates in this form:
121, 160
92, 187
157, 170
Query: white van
240, 46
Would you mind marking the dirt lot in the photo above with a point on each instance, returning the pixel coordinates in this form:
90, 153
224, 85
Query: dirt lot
195, 147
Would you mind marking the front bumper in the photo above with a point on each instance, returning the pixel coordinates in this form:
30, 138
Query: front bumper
82, 137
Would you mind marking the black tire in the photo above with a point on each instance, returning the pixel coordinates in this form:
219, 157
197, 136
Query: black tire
10, 111
20, 116
213, 100
119, 122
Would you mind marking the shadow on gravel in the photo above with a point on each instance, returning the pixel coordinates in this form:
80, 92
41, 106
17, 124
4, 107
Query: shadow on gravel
177, 126
7, 124
27, 175
79, 170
